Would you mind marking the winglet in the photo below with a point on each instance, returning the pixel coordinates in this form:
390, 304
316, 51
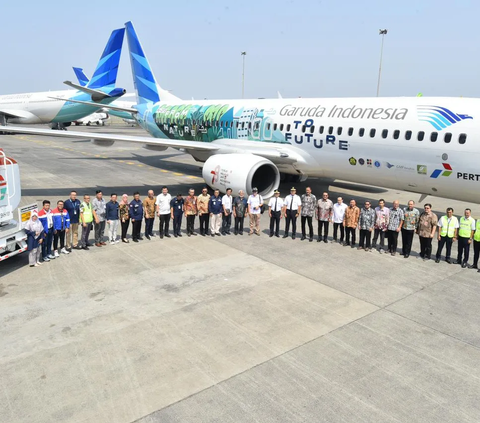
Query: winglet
105, 74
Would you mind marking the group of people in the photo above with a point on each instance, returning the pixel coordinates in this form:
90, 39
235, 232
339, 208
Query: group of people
54, 232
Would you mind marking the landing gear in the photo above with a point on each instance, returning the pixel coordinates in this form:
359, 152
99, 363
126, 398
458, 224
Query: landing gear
294, 179
59, 126
3, 122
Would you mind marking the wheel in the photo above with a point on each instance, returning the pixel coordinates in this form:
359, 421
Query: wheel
87, 124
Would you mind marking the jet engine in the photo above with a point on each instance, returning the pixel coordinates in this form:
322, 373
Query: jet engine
241, 172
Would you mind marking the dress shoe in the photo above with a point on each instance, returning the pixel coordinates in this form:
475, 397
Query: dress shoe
195, 234
83, 248
448, 261
293, 236
437, 261
240, 233
325, 241
285, 236
319, 240
180, 235
140, 239
98, 245
168, 235
406, 256
148, 237
278, 236
303, 238
135, 240
472, 266
270, 235
103, 243
126, 241
161, 236
464, 265
310, 240
188, 235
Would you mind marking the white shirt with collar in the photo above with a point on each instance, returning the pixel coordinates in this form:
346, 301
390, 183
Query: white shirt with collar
227, 202
163, 203
276, 204
339, 212
49, 215
292, 202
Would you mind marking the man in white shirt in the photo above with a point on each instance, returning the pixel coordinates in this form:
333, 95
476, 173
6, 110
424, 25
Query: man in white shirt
255, 202
338, 215
227, 204
292, 208
163, 211
275, 207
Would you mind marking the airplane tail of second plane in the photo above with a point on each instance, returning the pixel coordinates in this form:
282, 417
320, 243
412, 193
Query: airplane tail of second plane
105, 74
148, 91
82, 78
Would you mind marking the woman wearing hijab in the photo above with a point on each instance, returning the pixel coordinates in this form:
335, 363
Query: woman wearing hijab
124, 217
35, 233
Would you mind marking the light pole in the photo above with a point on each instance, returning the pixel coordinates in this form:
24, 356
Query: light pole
243, 53
382, 32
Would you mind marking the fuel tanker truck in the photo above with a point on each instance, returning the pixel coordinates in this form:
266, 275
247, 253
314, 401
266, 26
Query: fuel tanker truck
13, 239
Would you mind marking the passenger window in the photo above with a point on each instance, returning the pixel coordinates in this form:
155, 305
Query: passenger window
420, 135
408, 135
372, 132
462, 139
385, 133
339, 130
433, 136
396, 134
448, 137
350, 132
330, 130
361, 132
243, 125
268, 127
274, 126
320, 130
303, 128
288, 127
281, 127
312, 129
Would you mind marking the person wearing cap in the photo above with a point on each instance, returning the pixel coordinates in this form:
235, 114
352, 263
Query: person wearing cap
240, 208
292, 208
215, 209
227, 204
255, 203
275, 207
309, 203
177, 208
203, 214
324, 212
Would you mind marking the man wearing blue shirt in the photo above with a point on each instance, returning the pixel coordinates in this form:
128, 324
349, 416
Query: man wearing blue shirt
177, 207
72, 206
136, 216
111, 214
215, 209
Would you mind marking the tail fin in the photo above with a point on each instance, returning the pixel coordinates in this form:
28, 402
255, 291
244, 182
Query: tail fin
105, 74
143, 79
82, 78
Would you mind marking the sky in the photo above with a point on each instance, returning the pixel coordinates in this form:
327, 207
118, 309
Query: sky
328, 48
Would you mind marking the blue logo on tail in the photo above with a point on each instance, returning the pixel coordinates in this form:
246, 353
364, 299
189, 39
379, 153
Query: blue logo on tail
143, 78
105, 74
439, 117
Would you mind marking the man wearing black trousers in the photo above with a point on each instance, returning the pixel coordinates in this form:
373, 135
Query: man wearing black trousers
275, 207
292, 208
136, 216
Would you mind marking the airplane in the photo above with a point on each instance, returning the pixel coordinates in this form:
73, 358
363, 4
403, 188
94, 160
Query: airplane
56, 107
425, 145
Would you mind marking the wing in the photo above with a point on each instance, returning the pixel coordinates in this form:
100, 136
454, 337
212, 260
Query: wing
109, 139
99, 105
277, 153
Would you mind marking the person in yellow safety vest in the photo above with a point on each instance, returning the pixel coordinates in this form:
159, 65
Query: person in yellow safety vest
465, 236
87, 216
476, 246
448, 228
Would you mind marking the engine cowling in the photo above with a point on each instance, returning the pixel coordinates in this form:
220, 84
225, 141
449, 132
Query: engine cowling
241, 172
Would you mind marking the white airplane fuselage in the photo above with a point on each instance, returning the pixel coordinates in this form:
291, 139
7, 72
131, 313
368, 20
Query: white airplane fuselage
325, 137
